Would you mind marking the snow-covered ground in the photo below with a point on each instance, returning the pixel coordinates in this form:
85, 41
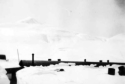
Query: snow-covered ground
9, 64
29, 36
3, 77
70, 75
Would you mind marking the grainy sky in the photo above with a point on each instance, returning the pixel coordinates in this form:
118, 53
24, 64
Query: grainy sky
96, 17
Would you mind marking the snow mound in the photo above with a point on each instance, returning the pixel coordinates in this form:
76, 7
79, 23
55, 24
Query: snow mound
118, 38
90, 37
29, 20
3, 77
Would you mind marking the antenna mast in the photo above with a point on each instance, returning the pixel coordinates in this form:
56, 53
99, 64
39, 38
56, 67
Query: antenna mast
18, 55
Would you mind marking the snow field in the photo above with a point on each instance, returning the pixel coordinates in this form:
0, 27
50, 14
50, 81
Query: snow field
9, 63
70, 75
61, 44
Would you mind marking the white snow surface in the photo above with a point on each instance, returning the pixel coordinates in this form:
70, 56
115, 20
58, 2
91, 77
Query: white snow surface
54, 42
70, 75
3, 77
9, 63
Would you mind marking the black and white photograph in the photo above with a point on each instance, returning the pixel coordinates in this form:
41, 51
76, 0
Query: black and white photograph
62, 41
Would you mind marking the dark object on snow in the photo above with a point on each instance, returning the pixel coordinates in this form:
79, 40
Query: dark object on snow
121, 70
33, 64
28, 63
100, 61
107, 61
59, 59
59, 70
21, 63
84, 60
49, 60
111, 71
12, 73
3, 57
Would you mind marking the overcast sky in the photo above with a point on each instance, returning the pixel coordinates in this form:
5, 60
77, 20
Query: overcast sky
97, 17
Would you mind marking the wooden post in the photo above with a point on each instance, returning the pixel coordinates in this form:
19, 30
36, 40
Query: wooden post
49, 59
59, 60
107, 61
100, 61
33, 60
84, 60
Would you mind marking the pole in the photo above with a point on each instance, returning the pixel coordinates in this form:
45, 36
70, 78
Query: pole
33, 59
18, 55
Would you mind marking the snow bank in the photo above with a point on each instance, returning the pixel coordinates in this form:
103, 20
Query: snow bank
3, 77
70, 75
9, 64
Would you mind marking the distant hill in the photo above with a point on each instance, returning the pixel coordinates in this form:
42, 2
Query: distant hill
118, 37
29, 20
48, 42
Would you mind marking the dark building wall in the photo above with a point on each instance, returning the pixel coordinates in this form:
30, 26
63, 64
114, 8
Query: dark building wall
3, 57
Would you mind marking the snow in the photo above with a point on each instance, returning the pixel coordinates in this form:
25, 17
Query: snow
70, 75
29, 20
9, 63
55, 43
3, 77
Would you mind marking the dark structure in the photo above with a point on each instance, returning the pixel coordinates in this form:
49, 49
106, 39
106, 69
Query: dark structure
111, 71
121, 70
33, 64
3, 57
13, 71
100, 61
107, 61
50, 62
59, 60
84, 60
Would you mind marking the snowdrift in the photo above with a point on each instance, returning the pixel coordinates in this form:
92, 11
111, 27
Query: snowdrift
70, 75
3, 77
